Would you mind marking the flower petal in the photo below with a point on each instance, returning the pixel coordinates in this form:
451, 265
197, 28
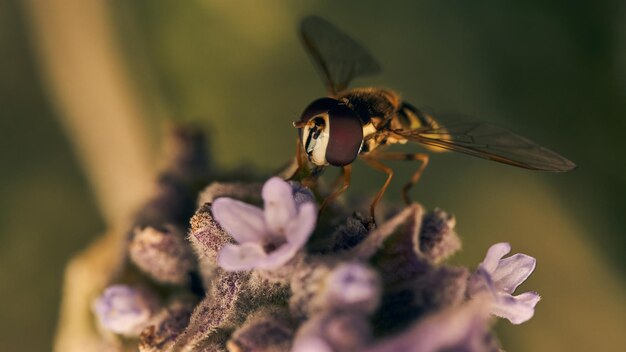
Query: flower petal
529, 298
300, 228
245, 222
279, 257
280, 207
311, 344
517, 309
246, 256
494, 254
512, 271
480, 282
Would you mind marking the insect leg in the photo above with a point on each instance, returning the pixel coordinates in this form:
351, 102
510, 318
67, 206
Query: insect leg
416, 175
300, 160
346, 172
380, 167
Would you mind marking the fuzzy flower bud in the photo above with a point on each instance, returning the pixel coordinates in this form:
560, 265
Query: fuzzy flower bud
353, 286
351, 233
437, 239
333, 331
167, 325
163, 255
266, 330
124, 309
218, 310
301, 195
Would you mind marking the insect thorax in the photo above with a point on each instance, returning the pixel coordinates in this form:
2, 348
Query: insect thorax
378, 109
371, 103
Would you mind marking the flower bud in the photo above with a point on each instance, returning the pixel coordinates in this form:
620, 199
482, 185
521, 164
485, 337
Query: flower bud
124, 309
167, 325
268, 329
162, 254
352, 286
333, 331
437, 238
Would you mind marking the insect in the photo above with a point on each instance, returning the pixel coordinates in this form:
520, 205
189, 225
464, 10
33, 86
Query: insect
360, 122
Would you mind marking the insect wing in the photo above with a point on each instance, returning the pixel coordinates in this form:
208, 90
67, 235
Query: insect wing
337, 57
463, 134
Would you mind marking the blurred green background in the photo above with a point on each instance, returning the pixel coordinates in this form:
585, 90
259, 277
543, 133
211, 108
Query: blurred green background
554, 71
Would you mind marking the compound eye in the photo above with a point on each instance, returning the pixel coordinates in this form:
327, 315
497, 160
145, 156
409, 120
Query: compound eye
318, 107
345, 136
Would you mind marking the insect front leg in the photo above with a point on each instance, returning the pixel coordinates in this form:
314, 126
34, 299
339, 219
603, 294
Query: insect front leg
300, 157
371, 161
346, 172
423, 158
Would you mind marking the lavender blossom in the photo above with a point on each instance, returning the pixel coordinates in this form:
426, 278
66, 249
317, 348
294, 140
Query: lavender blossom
359, 287
267, 238
500, 277
125, 310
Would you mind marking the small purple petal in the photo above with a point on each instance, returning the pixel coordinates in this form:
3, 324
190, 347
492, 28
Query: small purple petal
311, 344
517, 309
494, 254
241, 257
280, 206
300, 228
279, 257
529, 298
512, 271
245, 222
480, 281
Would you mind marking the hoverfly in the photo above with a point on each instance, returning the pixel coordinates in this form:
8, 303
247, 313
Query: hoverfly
355, 122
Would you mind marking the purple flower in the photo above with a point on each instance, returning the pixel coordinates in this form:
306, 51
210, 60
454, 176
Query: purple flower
267, 238
124, 309
500, 277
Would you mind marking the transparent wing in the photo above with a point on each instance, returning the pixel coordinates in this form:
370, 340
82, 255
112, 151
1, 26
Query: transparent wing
337, 57
466, 135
